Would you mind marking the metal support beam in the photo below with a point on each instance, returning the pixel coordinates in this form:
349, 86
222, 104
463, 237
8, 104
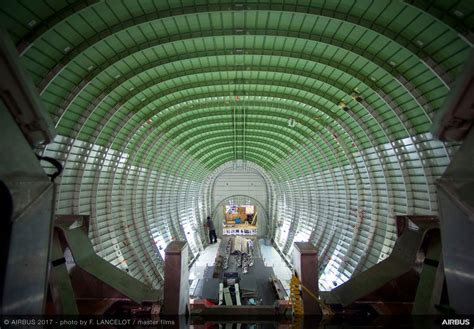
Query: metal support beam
430, 286
456, 203
28, 227
20, 97
61, 288
176, 288
456, 118
74, 231
305, 260
400, 262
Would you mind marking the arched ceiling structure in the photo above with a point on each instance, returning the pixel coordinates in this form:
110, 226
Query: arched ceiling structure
150, 97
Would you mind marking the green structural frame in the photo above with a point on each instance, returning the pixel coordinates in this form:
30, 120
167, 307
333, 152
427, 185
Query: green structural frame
331, 101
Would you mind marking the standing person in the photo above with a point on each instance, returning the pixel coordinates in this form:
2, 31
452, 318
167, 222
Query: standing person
212, 230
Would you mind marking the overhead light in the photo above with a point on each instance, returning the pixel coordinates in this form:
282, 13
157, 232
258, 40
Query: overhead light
291, 122
67, 49
343, 106
143, 98
90, 68
419, 43
373, 79
356, 95
458, 13
149, 121
118, 75
32, 23
131, 88
392, 63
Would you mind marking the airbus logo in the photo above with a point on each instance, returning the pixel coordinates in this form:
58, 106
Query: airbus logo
456, 322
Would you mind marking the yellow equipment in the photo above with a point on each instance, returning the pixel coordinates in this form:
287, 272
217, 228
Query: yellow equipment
295, 296
297, 301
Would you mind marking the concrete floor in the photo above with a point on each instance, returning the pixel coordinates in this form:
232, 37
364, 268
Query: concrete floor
205, 259
205, 263
270, 257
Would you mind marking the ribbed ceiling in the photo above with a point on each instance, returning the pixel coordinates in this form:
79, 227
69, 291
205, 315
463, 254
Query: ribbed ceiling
150, 97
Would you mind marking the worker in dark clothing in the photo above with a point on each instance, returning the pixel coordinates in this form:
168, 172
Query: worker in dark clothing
212, 230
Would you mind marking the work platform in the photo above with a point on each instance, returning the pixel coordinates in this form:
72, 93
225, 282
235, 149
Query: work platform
257, 285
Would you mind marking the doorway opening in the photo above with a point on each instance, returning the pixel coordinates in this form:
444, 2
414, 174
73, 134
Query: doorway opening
249, 213
240, 220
